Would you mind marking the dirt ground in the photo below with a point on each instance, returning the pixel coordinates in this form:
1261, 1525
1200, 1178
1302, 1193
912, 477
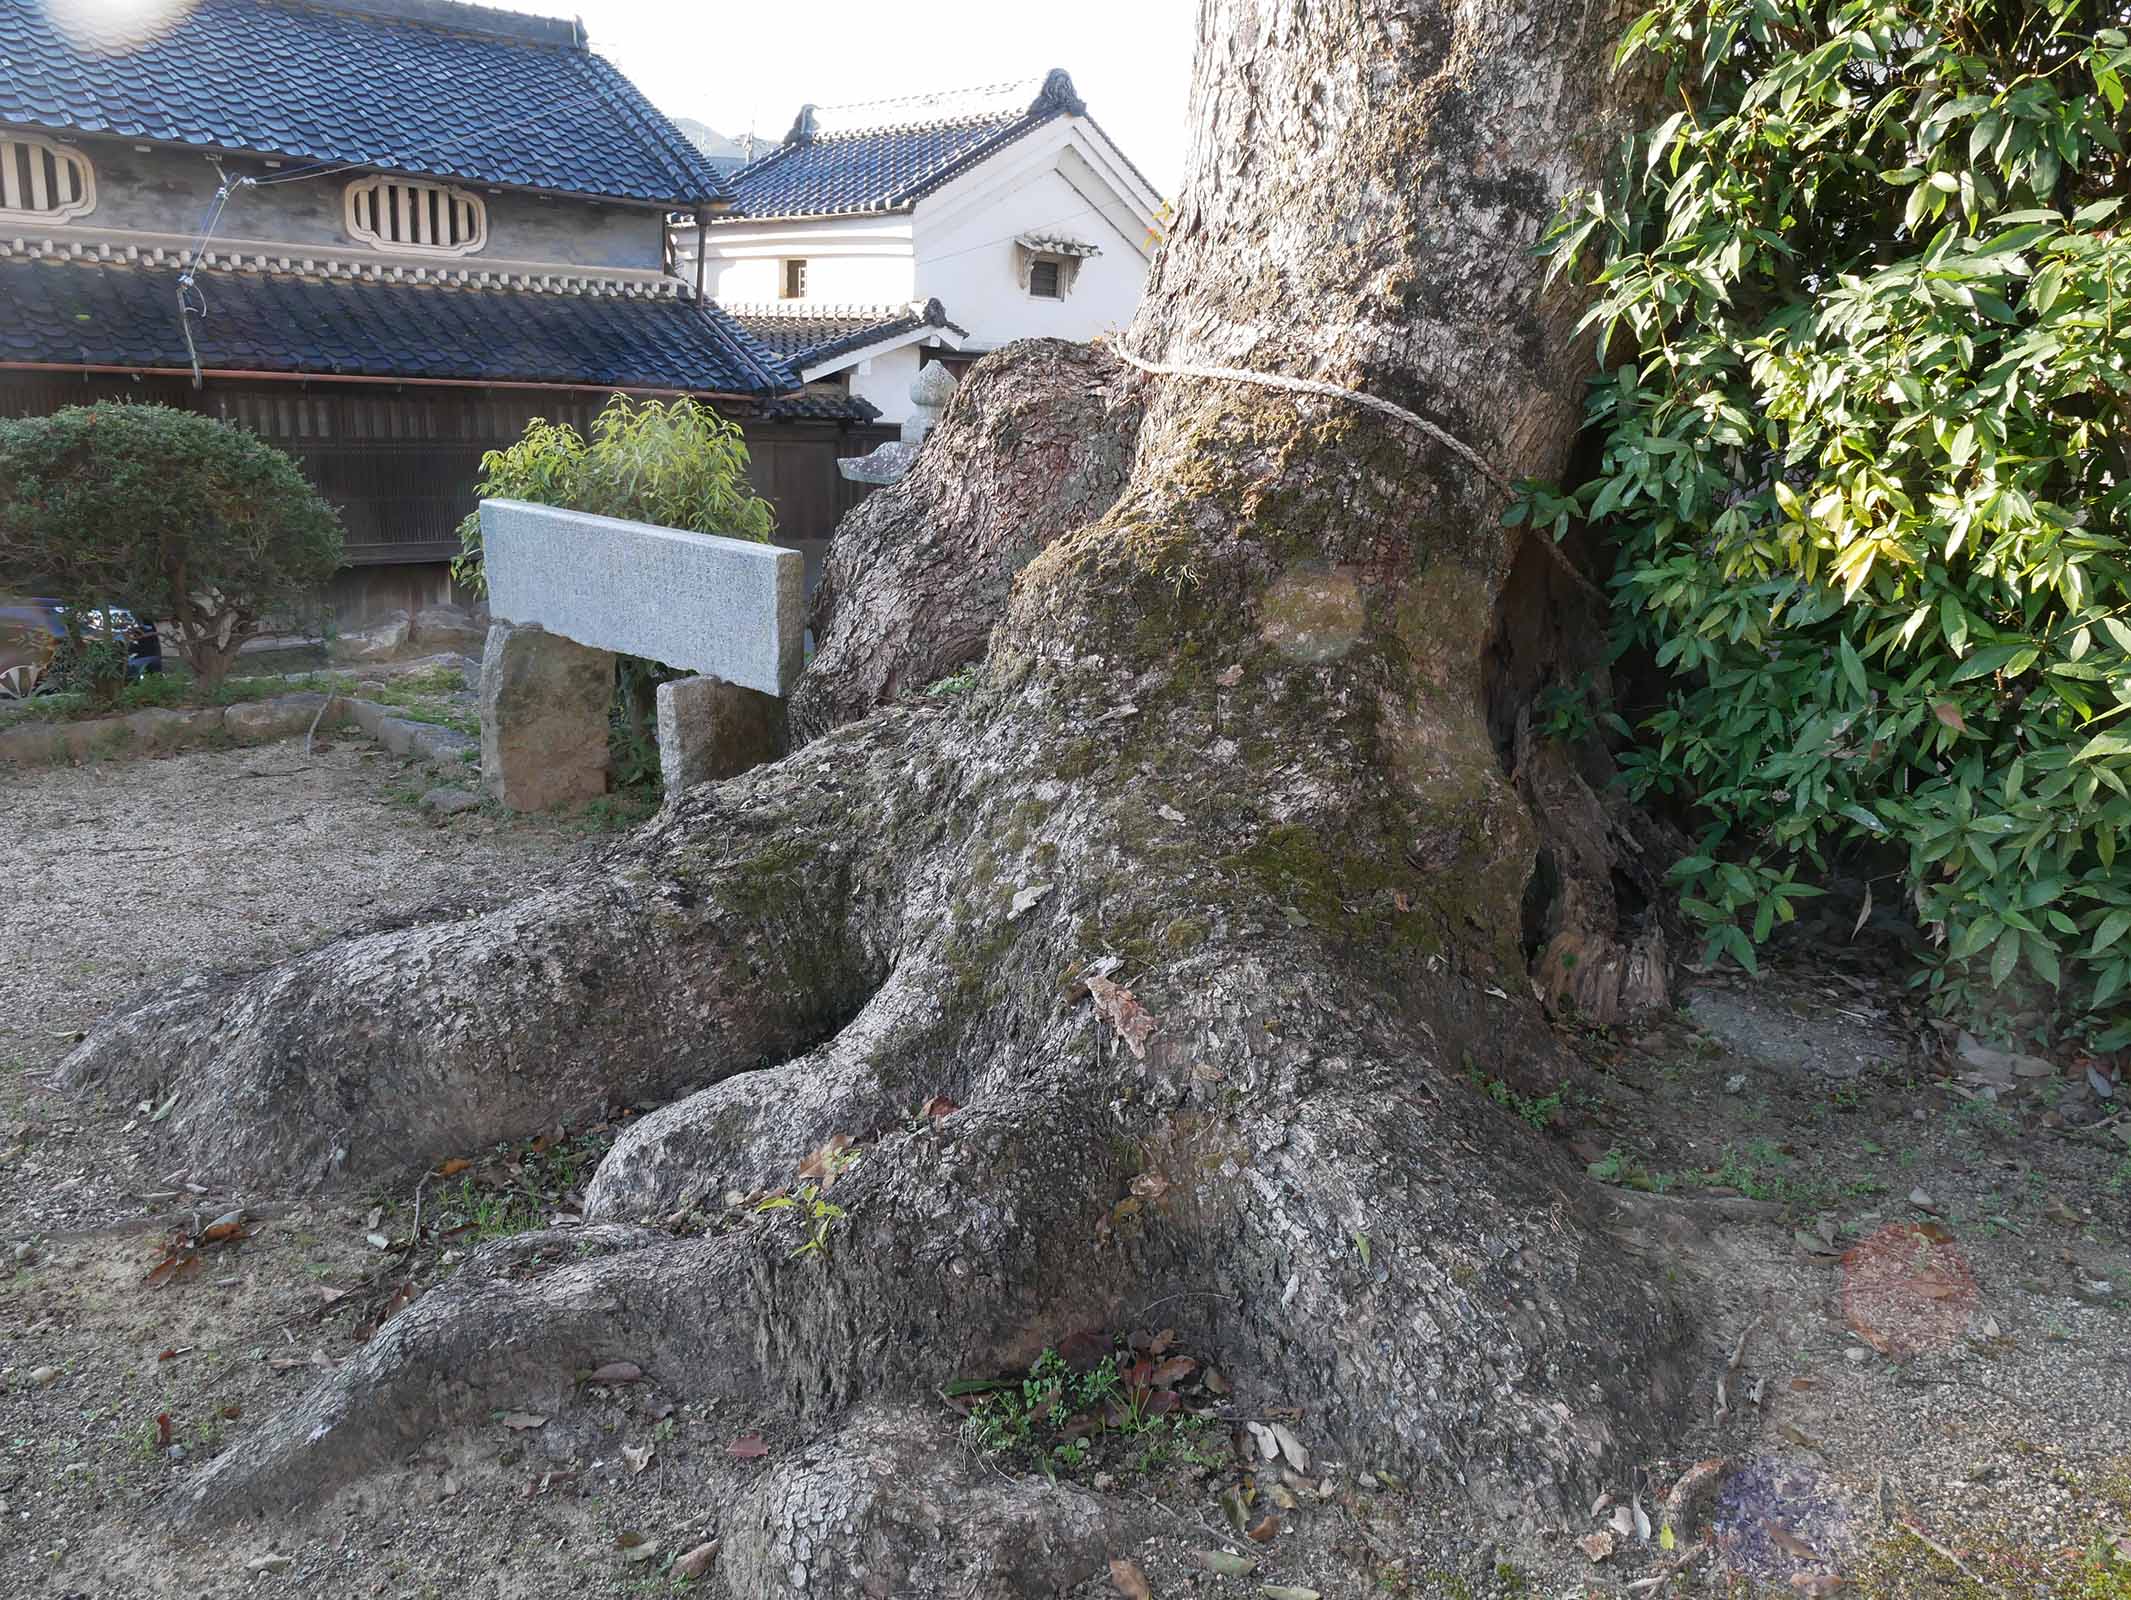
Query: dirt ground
1915, 1279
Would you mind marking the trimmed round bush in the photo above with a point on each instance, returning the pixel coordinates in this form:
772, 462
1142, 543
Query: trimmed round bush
197, 523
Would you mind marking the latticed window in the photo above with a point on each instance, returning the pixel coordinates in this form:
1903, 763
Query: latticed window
43, 181
408, 214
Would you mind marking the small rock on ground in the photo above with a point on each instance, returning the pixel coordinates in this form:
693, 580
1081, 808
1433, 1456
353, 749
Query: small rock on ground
449, 802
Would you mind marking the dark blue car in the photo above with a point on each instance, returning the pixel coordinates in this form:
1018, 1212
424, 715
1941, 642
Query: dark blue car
33, 644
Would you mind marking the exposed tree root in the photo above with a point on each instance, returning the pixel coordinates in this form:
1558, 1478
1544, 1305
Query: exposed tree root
1435, 1298
734, 932
889, 1509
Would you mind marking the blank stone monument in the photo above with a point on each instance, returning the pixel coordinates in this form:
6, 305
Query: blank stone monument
568, 591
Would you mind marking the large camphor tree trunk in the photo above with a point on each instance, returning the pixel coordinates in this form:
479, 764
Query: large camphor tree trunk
1207, 893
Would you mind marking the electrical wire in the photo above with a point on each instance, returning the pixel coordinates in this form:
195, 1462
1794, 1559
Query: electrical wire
188, 287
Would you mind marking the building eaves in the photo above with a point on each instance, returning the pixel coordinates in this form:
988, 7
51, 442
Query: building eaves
106, 315
804, 338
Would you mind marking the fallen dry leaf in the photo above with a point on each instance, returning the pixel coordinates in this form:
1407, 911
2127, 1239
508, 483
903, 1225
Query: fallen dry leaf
453, 1167
1175, 1370
1815, 1584
519, 1421
1287, 1591
940, 1106
1150, 1186
823, 1165
1229, 677
228, 1226
1116, 1005
1222, 1563
697, 1561
1129, 1581
1597, 1546
639, 1456
162, 1429
179, 1258
1802, 1440
1789, 1543
748, 1447
1265, 1529
616, 1372
1291, 1447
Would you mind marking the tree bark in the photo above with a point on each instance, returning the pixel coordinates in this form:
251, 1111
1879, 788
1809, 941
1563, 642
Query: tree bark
1201, 903
1041, 442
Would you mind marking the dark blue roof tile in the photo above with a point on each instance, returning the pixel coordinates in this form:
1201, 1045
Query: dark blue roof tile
77, 314
421, 86
890, 154
802, 340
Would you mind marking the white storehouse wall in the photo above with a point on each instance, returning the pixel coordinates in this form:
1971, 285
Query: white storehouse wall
957, 246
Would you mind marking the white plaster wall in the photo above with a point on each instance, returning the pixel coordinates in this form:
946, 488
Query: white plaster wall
850, 261
967, 260
886, 380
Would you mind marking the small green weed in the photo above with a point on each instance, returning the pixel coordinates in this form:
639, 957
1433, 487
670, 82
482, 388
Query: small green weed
818, 1215
1123, 1410
1539, 1111
956, 683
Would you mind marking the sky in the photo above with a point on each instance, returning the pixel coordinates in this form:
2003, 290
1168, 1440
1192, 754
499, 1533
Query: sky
736, 65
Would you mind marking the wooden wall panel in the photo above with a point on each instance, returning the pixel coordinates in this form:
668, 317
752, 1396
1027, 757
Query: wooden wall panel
401, 463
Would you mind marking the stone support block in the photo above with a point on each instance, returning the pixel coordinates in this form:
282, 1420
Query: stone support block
710, 729
544, 703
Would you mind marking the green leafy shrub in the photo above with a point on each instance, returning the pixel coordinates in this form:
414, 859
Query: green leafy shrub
1865, 459
201, 525
677, 464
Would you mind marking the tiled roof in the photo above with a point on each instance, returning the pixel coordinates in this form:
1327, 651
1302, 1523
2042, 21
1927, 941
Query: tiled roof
805, 338
812, 405
889, 154
76, 314
419, 86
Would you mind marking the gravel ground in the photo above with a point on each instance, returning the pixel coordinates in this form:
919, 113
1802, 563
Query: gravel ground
123, 876
1917, 1303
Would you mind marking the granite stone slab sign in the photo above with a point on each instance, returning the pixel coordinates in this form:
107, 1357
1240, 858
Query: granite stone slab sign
726, 608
